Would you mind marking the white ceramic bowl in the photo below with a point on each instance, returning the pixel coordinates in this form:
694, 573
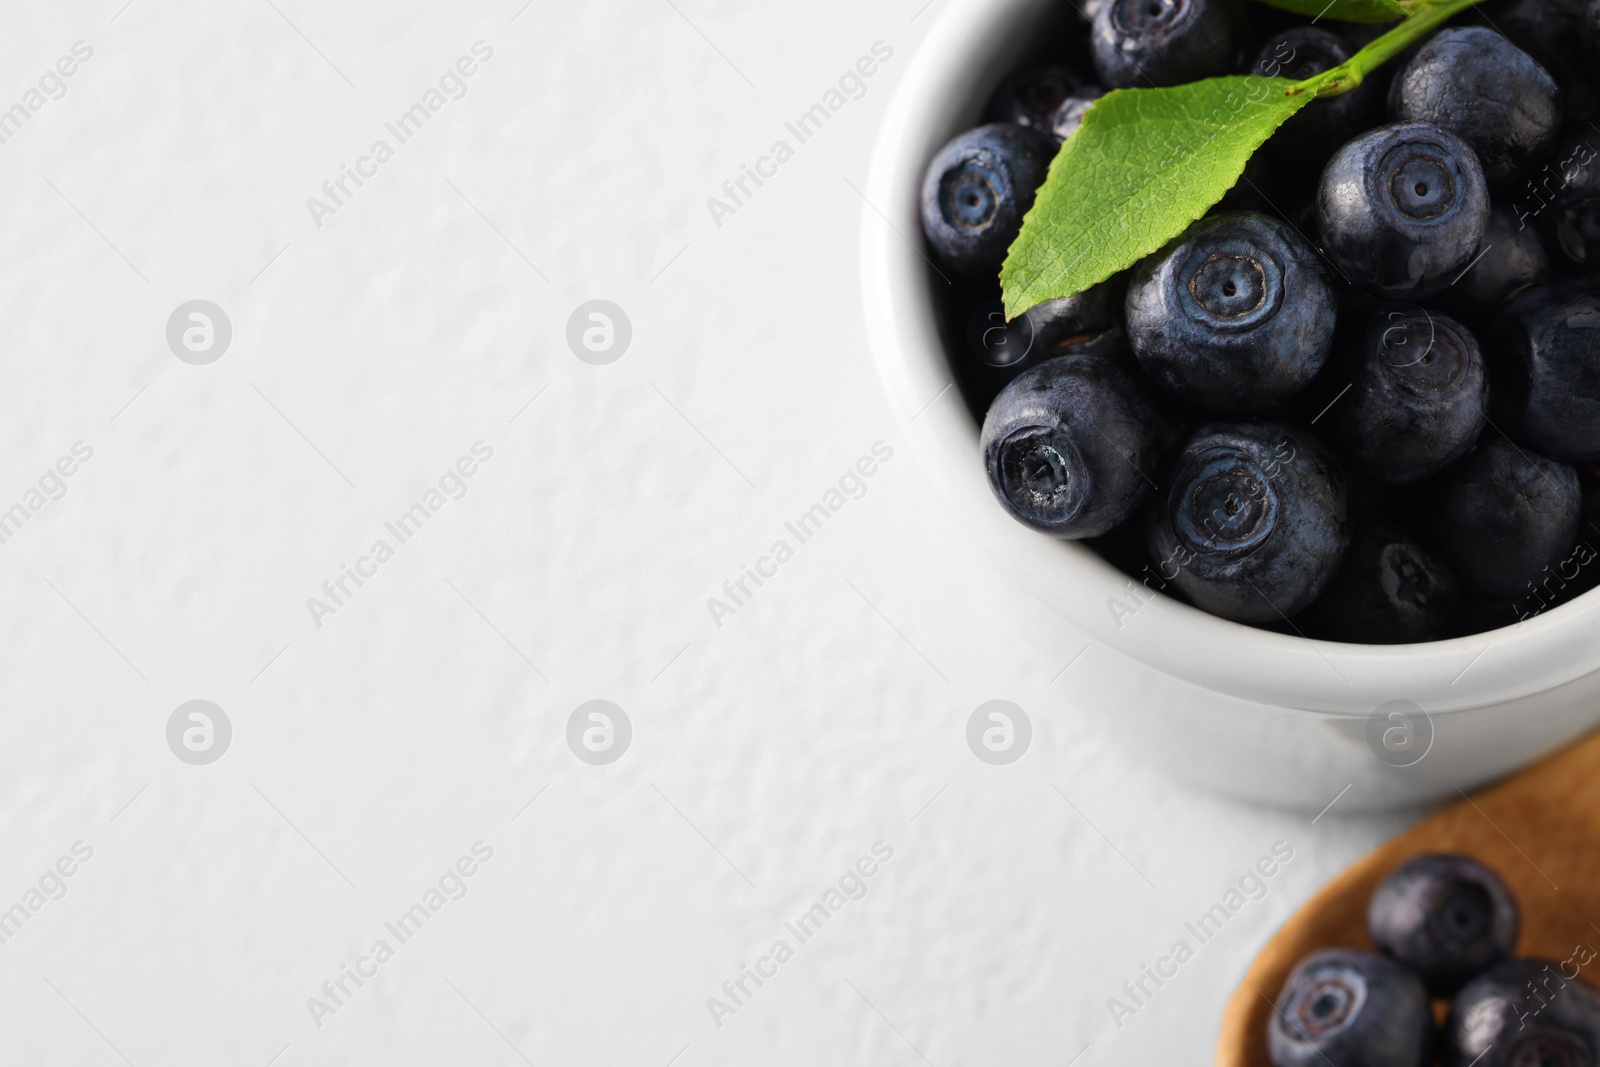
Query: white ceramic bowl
1242, 710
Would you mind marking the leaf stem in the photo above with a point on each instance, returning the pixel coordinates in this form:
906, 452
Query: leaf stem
1426, 14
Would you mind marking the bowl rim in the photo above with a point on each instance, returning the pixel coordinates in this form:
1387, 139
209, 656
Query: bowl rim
963, 54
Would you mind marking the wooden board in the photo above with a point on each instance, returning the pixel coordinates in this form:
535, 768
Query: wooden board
1540, 830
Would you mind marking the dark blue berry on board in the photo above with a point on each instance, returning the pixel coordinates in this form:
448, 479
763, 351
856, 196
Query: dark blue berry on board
1525, 1013
1446, 916
1345, 1008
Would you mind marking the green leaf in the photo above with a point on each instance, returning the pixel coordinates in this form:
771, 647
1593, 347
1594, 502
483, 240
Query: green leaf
1144, 165
1371, 11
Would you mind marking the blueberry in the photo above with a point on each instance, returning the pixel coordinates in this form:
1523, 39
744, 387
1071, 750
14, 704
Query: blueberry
1030, 97
986, 352
1551, 31
1447, 917
1565, 198
1475, 83
1525, 1013
1504, 514
1250, 520
997, 342
1301, 52
1069, 113
1164, 42
1070, 445
1575, 575
1089, 10
1390, 590
1053, 328
1342, 1008
1510, 259
1307, 139
1547, 347
1234, 316
1417, 395
976, 191
1402, 209
1061, 324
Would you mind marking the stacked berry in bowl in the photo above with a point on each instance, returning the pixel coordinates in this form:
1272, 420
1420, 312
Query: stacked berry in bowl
1359, 399
1444, 929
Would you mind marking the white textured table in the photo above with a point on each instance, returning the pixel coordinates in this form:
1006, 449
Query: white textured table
383, 731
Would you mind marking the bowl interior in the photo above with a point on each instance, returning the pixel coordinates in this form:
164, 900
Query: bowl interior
974, 44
